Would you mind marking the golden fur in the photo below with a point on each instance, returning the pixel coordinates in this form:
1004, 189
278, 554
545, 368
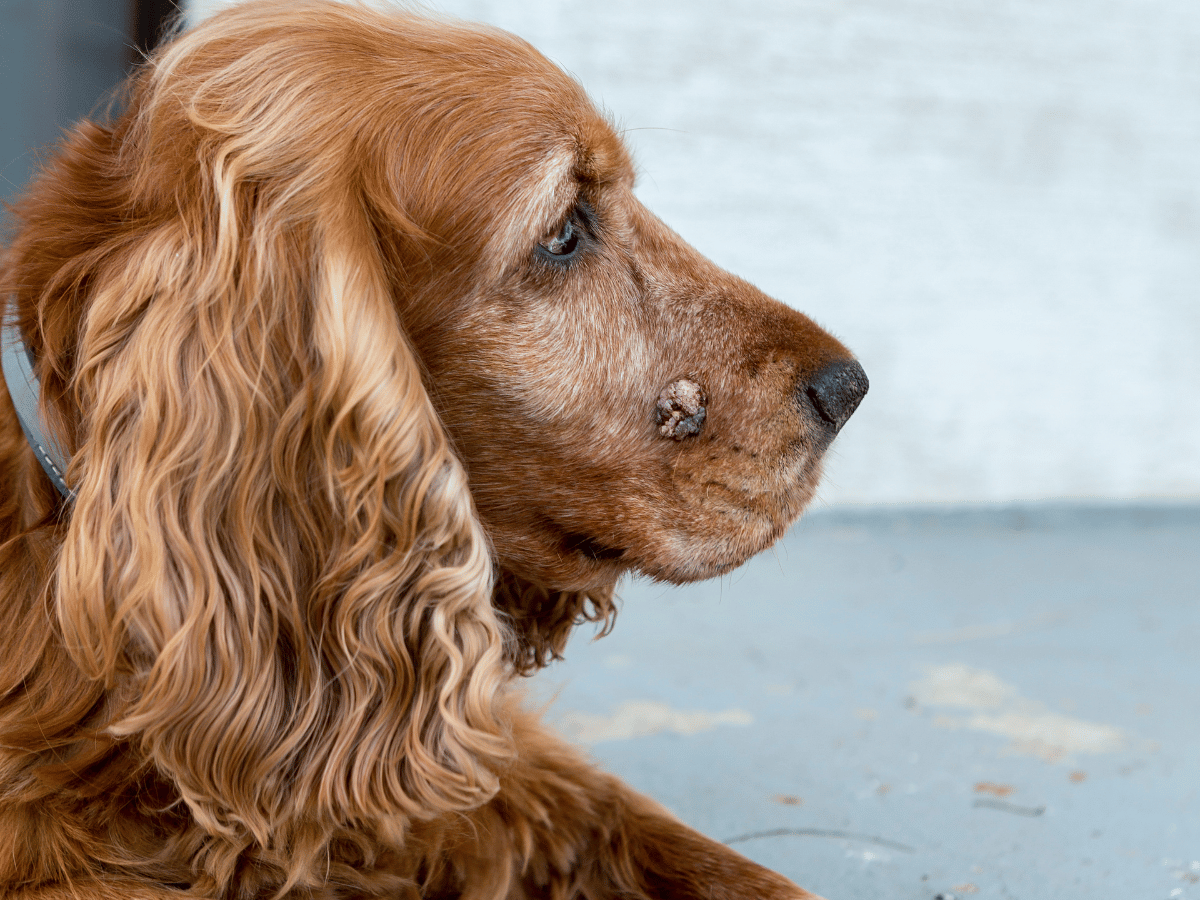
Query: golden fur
352, 448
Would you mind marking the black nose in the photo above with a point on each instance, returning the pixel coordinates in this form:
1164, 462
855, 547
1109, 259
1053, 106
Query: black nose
836, 390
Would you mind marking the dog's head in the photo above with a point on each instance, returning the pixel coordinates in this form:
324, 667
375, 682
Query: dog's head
557, 321
348, 313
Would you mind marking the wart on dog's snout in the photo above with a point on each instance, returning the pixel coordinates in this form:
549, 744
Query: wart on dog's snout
681, 409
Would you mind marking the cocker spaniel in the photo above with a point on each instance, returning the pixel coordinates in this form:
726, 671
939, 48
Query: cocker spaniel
363, 377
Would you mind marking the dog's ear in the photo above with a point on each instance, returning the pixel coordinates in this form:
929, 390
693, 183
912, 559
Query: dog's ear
273, 555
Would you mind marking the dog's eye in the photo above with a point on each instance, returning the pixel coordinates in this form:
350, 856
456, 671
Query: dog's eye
564, 244
574, 237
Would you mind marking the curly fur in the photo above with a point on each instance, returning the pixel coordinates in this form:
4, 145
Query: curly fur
288, 310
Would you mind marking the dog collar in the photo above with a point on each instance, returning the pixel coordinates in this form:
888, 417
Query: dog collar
25, 389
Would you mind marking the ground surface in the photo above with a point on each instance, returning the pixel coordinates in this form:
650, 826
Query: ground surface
981, 704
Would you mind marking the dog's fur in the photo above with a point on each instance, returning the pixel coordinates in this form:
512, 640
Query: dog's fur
352, 448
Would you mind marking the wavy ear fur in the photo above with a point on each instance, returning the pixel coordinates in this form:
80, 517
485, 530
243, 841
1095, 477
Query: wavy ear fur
273, 554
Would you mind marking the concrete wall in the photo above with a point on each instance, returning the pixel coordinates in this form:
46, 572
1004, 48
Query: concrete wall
58, 61
996, 204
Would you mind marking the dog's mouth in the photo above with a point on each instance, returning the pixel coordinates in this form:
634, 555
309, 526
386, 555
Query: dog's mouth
574, 542
713, 525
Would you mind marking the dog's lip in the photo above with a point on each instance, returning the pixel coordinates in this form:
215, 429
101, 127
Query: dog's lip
592, 548
574, 541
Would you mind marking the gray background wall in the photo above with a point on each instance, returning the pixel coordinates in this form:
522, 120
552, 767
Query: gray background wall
58, 60
996, 204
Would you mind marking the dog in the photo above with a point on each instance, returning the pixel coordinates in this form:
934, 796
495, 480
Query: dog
356, 377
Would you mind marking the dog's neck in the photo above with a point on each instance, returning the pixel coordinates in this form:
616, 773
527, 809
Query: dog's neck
25, 390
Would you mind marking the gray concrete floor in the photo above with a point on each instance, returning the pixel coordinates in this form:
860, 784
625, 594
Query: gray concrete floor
976, 703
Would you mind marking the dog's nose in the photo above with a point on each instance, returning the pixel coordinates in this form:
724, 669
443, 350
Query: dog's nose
836, 390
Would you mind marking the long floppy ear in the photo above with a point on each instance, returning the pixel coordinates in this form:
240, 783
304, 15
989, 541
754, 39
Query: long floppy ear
273, 553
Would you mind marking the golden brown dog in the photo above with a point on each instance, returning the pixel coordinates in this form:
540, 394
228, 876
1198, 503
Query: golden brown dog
374, 378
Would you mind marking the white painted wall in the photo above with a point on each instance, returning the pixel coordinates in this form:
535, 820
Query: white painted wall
995, 203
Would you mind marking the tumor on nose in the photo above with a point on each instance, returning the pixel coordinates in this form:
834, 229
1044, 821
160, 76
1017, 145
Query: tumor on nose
836, 390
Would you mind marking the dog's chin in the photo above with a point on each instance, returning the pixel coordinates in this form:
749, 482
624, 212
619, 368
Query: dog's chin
698, 560
682, 557
742, 532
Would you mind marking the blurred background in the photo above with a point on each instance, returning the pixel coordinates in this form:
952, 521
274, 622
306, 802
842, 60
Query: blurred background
973, 670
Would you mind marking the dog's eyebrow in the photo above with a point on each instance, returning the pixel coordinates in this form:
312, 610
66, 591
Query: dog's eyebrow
592, 156
535, 205
598, 158
602, 157
560, 186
